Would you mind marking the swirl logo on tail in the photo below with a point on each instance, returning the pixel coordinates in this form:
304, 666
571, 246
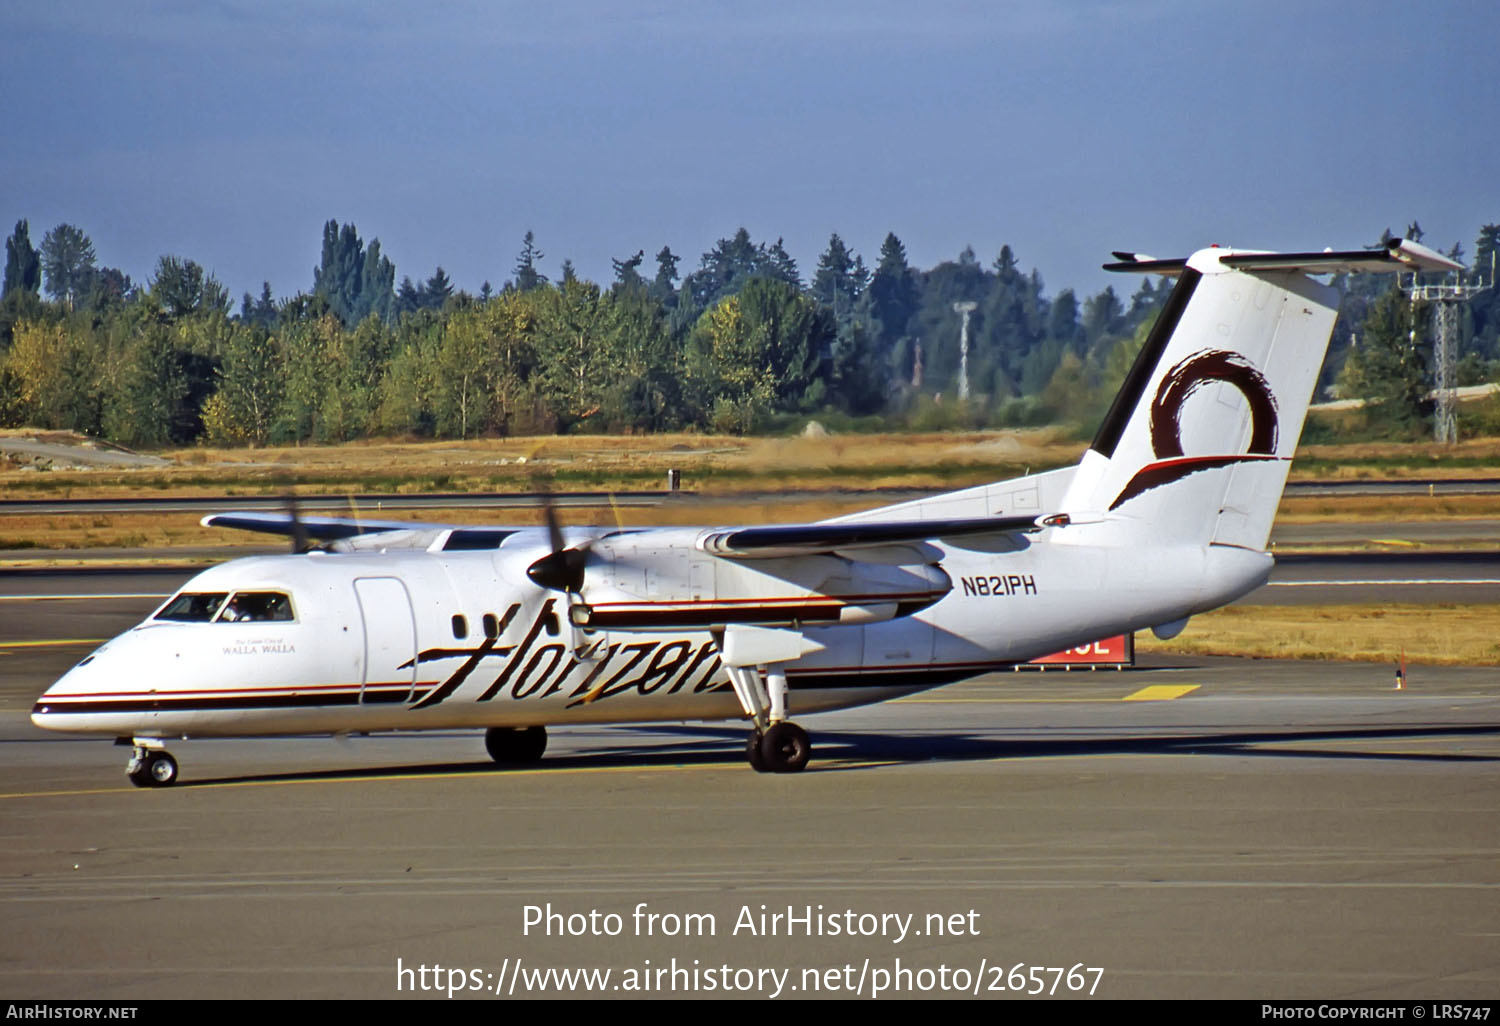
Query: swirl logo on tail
1176, 387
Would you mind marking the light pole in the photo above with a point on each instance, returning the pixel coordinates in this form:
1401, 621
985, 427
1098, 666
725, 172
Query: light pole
963, 349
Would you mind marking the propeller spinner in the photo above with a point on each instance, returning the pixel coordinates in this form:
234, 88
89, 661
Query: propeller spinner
562, 568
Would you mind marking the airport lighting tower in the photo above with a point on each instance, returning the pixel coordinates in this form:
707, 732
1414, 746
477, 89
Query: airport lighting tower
963, 349
1445, 298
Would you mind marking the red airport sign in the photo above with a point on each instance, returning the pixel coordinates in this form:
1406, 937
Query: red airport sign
1116, 651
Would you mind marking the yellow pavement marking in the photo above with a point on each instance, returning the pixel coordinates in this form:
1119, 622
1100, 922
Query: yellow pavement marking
1394, 541
993, 701
1161, 692
58, 641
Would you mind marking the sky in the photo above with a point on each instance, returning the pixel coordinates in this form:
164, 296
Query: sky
229, 131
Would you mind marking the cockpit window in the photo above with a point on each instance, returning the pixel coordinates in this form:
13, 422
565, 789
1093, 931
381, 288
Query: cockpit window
193, 607
256, 606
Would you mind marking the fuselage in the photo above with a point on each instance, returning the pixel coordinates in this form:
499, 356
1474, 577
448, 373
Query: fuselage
414, 640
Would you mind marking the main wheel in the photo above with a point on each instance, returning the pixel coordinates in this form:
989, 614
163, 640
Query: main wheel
752, 752
515, 745
785, 748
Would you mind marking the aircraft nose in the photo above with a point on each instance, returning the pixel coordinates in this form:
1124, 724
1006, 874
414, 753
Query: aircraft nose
44, 712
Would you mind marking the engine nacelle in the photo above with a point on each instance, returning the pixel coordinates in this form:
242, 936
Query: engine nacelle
678, 586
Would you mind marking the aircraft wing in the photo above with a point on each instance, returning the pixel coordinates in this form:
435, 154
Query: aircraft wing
779, 541
448, 537
317, 528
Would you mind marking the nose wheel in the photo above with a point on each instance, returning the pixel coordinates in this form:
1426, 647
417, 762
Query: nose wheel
152, 767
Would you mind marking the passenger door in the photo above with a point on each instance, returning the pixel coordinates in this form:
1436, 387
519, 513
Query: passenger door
390, 667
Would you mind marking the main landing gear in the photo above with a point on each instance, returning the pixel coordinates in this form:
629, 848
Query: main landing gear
150, 764
515, 746
776, 744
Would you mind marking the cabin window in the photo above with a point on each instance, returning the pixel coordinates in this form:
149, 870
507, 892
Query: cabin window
460, 626
491, 626
193, 607
256, 606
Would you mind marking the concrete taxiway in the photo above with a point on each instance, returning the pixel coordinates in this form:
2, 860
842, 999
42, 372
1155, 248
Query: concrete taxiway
1216, 828
1276, 831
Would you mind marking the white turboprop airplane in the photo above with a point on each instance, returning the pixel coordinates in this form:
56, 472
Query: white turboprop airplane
416, 627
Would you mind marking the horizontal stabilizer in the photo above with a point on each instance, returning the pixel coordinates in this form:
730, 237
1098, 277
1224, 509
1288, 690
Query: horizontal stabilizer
1140, 263
1395, 255
810, 539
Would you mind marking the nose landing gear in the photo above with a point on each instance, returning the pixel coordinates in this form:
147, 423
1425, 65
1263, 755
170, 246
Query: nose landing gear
151, 766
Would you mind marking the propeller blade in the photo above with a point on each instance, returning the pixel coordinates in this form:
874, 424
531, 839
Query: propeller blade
554, 529
300, 542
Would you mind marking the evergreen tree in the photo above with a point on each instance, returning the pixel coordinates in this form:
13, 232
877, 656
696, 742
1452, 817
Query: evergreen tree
336, 278
776, 263
723, 270
1062, 321
408, 298
436, 291
181, 288
354, 281
1389, 365
109, 288
1010, 327
262, 311
1486, 251
664, 286
893, 296
856, 378
527, 275
23, 263
1103, 316
840, 279
68, 261
377, 281
627, 273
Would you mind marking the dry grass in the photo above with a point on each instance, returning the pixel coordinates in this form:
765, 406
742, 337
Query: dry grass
1308, 509
572, 463
1440, 634
730, 475
1469, 458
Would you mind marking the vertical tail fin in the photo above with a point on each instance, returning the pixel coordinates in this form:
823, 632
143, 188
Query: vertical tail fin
1197, 445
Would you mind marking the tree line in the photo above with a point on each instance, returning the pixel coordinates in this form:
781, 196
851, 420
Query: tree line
742, 343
